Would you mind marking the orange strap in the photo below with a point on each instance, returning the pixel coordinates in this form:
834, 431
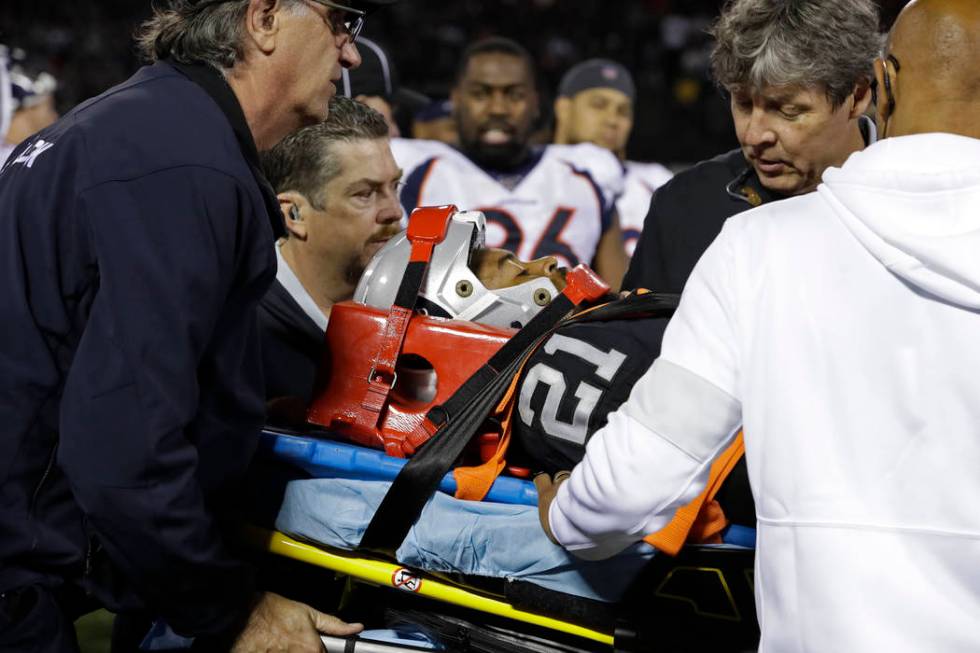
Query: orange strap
702, 519
473, 483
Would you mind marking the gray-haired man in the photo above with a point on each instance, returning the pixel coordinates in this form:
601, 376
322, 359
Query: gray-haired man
137, 233
838, 329
799, 75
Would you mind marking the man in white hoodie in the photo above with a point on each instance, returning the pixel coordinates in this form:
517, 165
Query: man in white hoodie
842, 329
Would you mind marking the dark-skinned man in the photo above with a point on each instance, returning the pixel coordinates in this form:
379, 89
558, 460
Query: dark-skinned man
556, 200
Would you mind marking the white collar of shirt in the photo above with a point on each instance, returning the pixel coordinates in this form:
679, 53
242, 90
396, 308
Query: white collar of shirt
289, 281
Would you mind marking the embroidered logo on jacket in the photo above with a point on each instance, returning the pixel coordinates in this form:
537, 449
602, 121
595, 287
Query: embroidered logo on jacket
29, 156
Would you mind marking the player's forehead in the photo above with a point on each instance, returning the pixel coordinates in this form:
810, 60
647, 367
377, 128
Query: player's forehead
497, 69
491, 256
773, 94
603, 95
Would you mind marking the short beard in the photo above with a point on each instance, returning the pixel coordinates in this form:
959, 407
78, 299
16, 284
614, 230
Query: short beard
497, 157
353, 272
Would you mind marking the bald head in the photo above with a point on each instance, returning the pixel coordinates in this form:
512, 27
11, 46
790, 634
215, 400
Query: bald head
937, 88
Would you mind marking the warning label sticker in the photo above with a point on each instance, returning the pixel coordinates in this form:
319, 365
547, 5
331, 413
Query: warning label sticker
403, 579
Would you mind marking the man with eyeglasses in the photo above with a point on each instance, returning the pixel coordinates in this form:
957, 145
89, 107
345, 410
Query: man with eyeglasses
839, 328
137, 238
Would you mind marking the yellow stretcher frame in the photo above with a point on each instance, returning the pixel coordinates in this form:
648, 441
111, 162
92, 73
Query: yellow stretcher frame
387, 574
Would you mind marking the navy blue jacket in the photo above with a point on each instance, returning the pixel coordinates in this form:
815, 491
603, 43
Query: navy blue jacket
135, 243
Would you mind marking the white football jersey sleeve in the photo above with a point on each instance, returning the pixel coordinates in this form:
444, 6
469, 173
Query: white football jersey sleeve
642, 179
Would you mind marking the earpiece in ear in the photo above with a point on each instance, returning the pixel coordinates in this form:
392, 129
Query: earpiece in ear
294, 213
889, 95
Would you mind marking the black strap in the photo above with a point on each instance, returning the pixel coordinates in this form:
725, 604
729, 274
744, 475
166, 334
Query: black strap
420, 477
542, 323
411, 284
633, 306
468, 408
458, 419
211, 81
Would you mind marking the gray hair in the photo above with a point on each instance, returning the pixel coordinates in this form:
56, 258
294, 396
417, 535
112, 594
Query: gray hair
195, 30
824, 43
305, 162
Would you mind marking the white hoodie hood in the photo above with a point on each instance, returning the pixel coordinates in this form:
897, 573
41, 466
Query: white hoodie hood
914, 203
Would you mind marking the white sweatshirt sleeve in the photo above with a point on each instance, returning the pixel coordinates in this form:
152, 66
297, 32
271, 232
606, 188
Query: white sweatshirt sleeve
655, 453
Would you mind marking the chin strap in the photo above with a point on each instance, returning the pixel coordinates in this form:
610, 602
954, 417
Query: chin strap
427, 227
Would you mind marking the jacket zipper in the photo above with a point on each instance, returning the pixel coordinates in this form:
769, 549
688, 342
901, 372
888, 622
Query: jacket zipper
91, 549
44, 478
37, 491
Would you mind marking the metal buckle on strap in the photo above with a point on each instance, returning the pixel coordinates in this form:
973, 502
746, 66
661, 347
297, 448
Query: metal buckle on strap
374, 377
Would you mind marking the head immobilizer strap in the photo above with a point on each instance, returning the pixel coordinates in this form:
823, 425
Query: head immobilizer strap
426, 229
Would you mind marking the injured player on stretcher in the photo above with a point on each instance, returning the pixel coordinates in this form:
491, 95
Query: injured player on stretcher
469, 302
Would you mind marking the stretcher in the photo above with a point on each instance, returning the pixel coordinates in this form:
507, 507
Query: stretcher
703, 597
390, 544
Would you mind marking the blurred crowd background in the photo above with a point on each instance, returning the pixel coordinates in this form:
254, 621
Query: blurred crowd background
680, 116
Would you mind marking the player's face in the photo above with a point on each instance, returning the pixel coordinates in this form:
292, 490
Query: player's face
361, 209
790, 135
498, 268
313, 50
495, 105
603, 116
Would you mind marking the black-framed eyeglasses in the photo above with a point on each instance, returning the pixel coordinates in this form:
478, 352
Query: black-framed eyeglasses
344, 19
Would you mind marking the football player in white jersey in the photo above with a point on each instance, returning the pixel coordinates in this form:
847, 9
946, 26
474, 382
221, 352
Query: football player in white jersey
539, 201
595, 105
27, 95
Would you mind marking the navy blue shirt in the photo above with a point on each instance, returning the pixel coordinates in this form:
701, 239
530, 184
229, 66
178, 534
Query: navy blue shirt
135, 243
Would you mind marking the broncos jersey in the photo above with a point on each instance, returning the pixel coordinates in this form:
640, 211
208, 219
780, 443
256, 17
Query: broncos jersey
558, 204
641, 180
574, 380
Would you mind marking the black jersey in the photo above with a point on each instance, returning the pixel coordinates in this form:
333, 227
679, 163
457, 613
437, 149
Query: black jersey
582, 373
574, 380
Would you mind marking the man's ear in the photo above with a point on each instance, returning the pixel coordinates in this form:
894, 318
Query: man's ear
295, 209
881, 101
862, 99
263, 21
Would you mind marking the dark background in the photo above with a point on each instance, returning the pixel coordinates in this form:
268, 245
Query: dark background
680, 116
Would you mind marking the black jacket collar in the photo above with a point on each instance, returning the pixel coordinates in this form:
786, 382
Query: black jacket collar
217, 87
745, 185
